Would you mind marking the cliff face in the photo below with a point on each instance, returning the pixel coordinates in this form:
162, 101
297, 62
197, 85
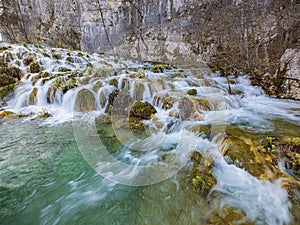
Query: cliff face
231, 35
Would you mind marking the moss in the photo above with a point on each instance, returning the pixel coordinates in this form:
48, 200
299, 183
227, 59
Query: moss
135, 124
5, 90
12, 71
142, 110
158, 68
32, 96
70, 59
55, 54
34, 67
192, 92
114, 82
201, 178
133, 69
5, 80
28, 60
63, 69
79, 54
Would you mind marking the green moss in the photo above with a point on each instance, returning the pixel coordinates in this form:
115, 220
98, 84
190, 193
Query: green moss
159, 68
202, 178
55, 54
28, 60
5, 90
135, 124
142, 110
70, 59
5, 80
63, 69
114, 82
34, 67
32, 96
192, 92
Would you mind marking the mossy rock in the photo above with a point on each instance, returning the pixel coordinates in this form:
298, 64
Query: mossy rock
70, 59
64, 70
192, 92
140, 75
39, 76
28, 60
135, 124
6, 80
114, 82
111, 99
202, 178
142, 110
159, 68
97, 86
9, 115
5, 90
34, 67
32, 96
85, 100
12, 71
55, 54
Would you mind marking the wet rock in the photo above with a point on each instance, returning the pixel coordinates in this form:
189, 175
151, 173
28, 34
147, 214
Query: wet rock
9, 115
135, 124
192, 92
32, 96
202, 177
34, 67
111, 99
12, 71
114, 82
142, 110
85, 100
28, 60
97, 86
5, 80
64, 69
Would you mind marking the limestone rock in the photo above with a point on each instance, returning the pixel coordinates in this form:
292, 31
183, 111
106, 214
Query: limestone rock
85, 100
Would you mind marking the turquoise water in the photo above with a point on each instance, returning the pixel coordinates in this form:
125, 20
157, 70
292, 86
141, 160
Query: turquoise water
45, 180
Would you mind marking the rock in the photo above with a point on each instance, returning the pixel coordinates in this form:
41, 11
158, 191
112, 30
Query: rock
5, 80
114, 82
85, 100
10, 115
186, 108
142, 110
290, 80
192, 92
111, 99
32, 96
28, 60
202, 177
64, 69
97, 86
12, 71
34, 67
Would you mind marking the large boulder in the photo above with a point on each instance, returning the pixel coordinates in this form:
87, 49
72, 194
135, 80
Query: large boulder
85, 100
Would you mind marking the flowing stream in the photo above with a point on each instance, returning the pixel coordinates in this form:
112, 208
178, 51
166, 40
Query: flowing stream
85, 165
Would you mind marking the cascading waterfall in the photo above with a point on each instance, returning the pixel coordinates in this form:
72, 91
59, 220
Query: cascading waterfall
65, 74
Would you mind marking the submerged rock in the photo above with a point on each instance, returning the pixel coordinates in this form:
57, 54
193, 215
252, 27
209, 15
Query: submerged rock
85, 100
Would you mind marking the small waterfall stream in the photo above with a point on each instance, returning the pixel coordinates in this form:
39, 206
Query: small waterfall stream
192, 112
